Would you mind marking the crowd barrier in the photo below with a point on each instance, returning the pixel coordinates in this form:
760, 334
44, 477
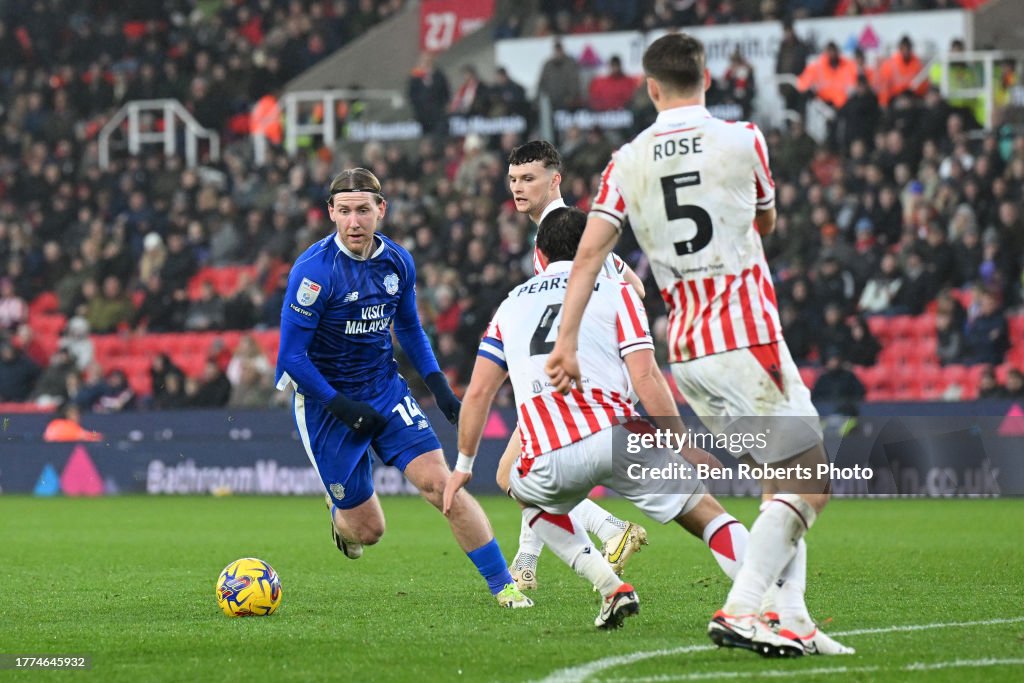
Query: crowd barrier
931, 449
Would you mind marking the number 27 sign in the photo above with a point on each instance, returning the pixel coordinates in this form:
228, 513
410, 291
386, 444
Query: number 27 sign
444, 22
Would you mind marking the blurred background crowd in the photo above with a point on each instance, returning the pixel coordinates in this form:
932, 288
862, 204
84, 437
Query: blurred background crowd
151, 285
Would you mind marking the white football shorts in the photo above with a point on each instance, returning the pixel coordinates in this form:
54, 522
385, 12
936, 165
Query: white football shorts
757, 391
557, 481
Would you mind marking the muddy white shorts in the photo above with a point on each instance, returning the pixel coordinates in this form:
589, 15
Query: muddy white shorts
756, 391
656, 480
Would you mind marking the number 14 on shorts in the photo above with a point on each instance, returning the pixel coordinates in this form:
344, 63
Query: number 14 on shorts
411, 414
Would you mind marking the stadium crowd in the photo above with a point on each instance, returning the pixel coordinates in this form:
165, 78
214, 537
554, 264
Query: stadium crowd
561, 17
902, 210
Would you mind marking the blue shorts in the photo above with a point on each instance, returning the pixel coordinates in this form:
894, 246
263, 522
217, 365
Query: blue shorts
342, 458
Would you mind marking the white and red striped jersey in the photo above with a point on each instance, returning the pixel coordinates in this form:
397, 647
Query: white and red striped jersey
690, 186
521, 335
613, 265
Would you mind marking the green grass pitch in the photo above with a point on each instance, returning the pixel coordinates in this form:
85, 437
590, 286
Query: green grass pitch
130, 581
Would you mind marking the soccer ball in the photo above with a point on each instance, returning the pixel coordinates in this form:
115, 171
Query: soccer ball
248, 588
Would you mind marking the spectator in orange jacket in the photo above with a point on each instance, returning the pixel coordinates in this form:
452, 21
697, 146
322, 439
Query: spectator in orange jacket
896, 74
66, 426
831, 77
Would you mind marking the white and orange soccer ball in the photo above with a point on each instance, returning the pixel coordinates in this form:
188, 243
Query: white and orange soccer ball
248, 587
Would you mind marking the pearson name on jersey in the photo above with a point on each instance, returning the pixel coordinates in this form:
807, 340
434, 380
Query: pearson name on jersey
691, 185
522, 334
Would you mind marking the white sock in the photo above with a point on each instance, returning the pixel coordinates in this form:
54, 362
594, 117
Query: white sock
789, 599
530, 548
772, 544
571, 544
727, 539
597, 520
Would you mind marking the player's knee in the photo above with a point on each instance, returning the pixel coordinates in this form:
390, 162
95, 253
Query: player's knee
433, 491
371, 533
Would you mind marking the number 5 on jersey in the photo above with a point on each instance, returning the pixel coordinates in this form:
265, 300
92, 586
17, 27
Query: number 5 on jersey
670, 185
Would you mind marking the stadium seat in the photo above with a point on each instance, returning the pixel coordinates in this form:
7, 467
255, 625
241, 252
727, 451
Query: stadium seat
1016, 329
809, 375
924, 326
902, 326
879, 326
1002, 371
923, 352
881, 395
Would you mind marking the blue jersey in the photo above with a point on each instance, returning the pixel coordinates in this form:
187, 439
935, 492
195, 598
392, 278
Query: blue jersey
350, 303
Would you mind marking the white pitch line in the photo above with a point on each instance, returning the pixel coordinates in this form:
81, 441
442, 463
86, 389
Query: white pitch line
916, 666
578, 674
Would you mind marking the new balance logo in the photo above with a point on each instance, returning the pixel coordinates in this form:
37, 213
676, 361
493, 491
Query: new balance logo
350, 297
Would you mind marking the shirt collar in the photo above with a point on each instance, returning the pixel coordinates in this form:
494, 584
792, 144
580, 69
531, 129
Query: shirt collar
555, 204
354, 256
677, 115
558, 267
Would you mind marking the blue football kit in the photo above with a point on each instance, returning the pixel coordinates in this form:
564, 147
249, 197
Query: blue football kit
336, 338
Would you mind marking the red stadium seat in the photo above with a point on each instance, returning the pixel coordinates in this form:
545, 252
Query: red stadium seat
901, 326
809, 375
924, 326
1016, 329
879, 326
876, 395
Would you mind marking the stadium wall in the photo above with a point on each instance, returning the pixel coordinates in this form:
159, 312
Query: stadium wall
914, 449
877, 35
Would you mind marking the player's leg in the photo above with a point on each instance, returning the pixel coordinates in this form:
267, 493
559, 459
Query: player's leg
728, 391
524, 565
620, 539
570, 542
356, 515
552, 486
470, 526
794, 422
784, 604
341, 459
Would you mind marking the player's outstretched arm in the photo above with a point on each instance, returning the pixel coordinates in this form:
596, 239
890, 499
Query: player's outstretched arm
486, 380
562, 365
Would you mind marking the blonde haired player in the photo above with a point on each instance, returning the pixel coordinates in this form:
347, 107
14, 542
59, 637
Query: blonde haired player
699, 194
534, 179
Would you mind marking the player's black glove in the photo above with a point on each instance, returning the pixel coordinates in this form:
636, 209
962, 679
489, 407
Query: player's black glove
358, 415
447, 402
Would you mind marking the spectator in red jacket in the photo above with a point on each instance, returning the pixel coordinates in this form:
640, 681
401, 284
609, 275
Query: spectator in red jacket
613, 90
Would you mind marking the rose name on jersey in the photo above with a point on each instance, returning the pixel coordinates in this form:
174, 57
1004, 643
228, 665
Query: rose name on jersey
678, 146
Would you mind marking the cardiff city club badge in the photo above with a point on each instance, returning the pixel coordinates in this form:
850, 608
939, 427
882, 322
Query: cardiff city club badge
308, 292
391, 283
338, 491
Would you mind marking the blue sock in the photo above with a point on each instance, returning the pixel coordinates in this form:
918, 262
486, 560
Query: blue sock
491, 564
